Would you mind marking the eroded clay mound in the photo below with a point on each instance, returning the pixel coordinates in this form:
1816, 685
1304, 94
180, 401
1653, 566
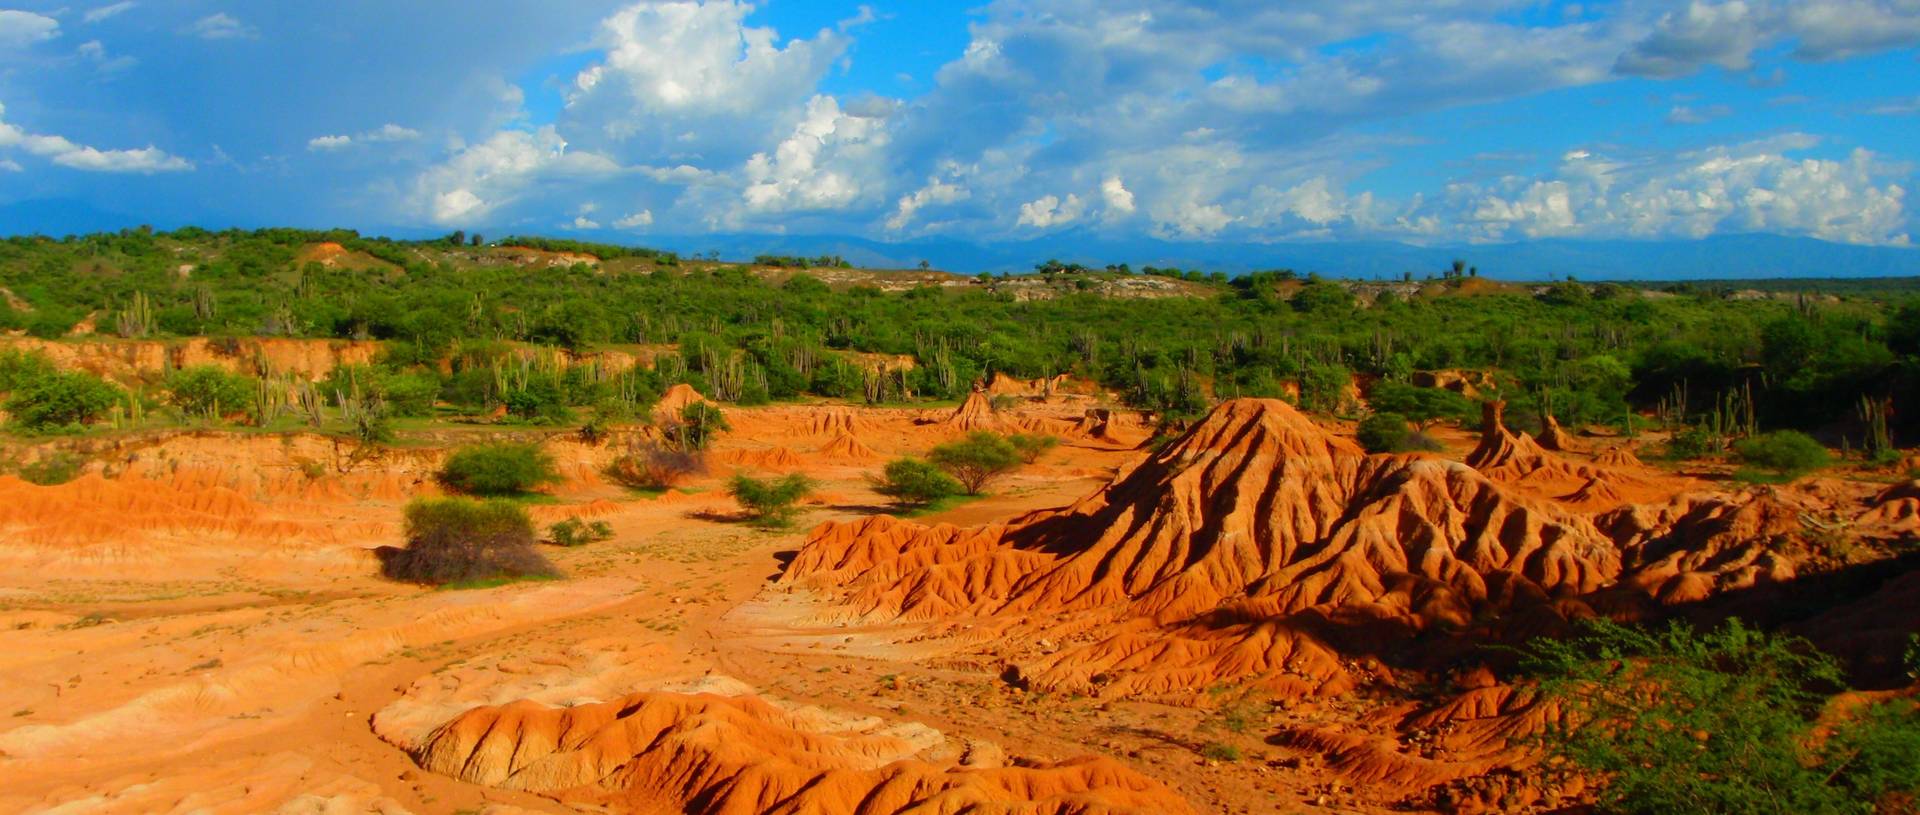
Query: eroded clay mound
974, 414
673, 753
1255, 516
677, 398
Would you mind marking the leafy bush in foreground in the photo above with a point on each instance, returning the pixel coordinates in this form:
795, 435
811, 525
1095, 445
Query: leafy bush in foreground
915, 482
508, 468
770, 502
1786, 452
575, 532
60, 400
1724, 721
459, 540
977, 459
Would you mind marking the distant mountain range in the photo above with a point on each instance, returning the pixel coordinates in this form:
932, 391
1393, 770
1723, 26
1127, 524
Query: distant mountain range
1727, 256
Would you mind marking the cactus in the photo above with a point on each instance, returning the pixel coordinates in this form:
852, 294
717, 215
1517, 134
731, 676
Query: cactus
1878, 444
136, 320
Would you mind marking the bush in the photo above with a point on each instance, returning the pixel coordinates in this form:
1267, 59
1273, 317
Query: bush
574, 532
1718, 722
459, 540
694, 428
914, 482
21, 368
53, 469
977, 459
770, 502
1691, 443
209, 391
1032, 446
1786, 452
61, 400
499, 469
1383, 433
654, 466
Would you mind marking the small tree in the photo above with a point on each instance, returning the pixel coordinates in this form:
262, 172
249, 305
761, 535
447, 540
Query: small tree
915, 482
60, 400
499, 469
1786, 452
977, 459
209, 391
1032, 446
770, 502
458, 540
1383, 433
694, 428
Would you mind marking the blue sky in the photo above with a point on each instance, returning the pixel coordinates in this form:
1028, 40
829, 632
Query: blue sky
1434, 122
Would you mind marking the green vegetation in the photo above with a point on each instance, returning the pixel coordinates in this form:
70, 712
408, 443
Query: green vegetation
468, 331
770, 503
694, 428
209, 392
575, 532
977, 460
1384, 433
504, 469
53, 469
1785, 453
1724, 721
60, 401
913, 483
461, 541
1031, 446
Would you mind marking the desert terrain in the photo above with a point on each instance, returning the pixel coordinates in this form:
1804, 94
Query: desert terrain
1255, 615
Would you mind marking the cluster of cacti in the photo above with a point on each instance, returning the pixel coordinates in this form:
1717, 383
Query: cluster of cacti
1879, 440
136, 320
270, 400
311, 405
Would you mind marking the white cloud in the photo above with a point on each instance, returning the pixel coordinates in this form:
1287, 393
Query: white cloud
1897, 107
1050, 210
385, 133
95, 15
220, 26
1686, 115
65, 153
637, 220
95, 52
1119, 199
19, 29
935, 191
9, 165
678, 57
484, 177
819, 165
583, 222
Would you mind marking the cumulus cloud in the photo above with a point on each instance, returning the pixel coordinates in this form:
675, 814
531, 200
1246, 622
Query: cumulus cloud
106, 12
1750, 187
66, 153
484, 177
1119, 199
934, 192
1688, 115
95, 52
637, 220
1050, 210
819, 165
701, 57
220, 26
19, 29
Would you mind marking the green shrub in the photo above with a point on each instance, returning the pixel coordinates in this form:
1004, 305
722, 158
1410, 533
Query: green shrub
1718, 722
209, 391
1216, 751
506, 468
1383, 433
460, 540
61, 400
1691, 443
914, 482
411, 394
1786, 452
1032, 446
770, 502
694, 427
21, 368
575, 532
977, 459
53, 469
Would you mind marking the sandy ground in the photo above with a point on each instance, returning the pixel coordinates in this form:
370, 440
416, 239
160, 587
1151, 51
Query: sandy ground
150, 681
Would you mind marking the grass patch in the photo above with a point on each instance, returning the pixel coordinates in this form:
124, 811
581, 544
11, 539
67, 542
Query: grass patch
939, 505
495, 582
